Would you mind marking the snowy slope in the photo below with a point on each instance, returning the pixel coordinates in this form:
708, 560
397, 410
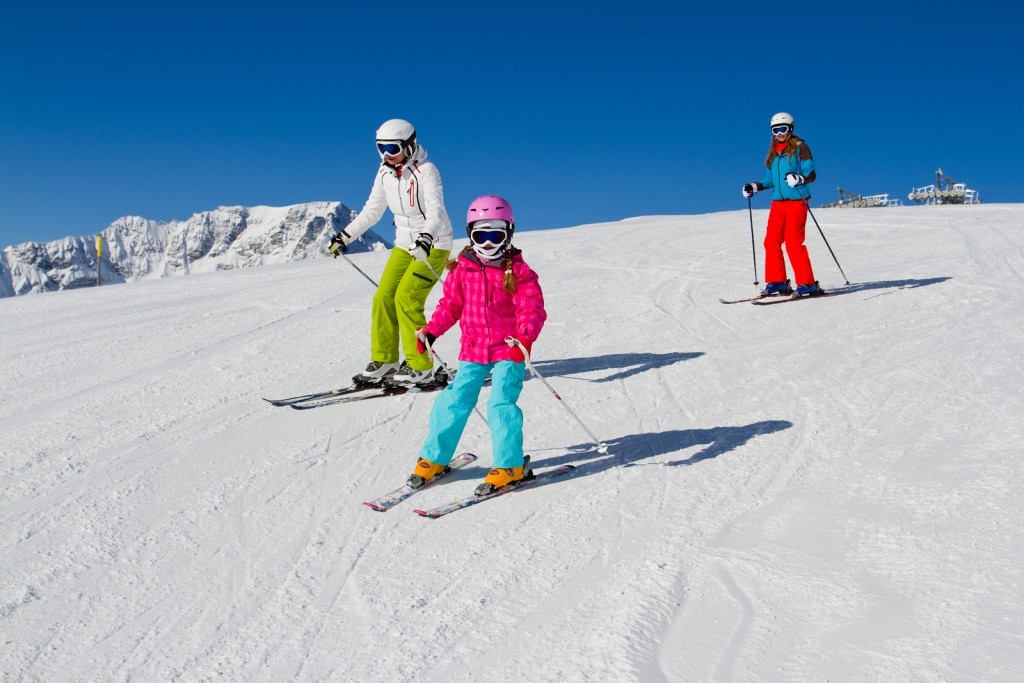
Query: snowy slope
827, 489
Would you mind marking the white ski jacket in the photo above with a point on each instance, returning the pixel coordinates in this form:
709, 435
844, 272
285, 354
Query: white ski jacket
414, 194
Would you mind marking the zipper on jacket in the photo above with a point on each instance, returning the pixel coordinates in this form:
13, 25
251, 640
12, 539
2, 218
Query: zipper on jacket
419, 200
487, 309
400, 202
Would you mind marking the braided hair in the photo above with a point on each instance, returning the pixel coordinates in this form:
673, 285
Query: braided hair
510, 279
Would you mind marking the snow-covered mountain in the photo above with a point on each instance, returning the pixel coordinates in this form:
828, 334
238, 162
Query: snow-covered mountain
136, 248
821, 490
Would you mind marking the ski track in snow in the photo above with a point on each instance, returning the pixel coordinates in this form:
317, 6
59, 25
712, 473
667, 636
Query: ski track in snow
820, 491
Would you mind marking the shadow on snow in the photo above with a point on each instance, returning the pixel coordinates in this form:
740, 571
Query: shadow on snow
887, 284
630, 364
626, 451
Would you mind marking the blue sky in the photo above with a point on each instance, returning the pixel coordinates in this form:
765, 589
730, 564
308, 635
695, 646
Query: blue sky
575, 112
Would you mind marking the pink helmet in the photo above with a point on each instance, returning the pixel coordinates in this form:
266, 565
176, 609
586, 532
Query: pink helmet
490, 206
489, 226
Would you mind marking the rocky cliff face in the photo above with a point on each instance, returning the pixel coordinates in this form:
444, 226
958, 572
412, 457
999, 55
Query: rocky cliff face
136, 248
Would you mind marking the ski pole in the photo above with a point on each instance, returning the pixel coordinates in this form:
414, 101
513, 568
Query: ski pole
448, 371
602, 447
432, 352
372, 282
433, 271
753, 249
808, 203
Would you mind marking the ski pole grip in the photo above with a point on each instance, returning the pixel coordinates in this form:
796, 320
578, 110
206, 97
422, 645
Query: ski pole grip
513, 342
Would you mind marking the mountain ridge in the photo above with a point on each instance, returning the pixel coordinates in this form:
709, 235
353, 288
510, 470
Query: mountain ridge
136, 248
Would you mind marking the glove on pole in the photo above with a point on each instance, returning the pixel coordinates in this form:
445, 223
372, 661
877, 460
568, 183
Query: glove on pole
420, 250
808, 203
512, 341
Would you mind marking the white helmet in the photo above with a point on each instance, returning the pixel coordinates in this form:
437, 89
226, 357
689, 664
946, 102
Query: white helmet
782, 118
396, 132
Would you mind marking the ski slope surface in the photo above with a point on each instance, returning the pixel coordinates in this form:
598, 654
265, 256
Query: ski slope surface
826, 489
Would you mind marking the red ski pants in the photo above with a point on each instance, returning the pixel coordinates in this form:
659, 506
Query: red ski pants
786, 222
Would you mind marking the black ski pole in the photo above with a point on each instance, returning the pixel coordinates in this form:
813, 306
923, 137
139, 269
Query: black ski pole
753, 248
808, 203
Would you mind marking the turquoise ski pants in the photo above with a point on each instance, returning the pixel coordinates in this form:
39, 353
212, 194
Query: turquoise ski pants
454, 404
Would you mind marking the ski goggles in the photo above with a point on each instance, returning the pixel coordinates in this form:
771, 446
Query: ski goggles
487, 235
781, 130
389, 148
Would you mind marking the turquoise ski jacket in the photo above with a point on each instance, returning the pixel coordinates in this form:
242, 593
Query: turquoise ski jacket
800, 163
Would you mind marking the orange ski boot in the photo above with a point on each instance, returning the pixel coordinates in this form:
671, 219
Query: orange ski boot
424, 472
497, 478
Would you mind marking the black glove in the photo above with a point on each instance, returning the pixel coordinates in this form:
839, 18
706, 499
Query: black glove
421, 249
750, 189
339, 243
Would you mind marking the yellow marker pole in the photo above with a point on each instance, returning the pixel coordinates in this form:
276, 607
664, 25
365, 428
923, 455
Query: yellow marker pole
99, 257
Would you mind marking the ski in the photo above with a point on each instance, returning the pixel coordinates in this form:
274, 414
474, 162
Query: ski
373, 392
443, 510
365, 390
390, 500
784, 299
749, 298
280, 402
377, 392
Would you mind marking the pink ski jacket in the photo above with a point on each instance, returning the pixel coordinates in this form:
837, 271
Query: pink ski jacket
475, 297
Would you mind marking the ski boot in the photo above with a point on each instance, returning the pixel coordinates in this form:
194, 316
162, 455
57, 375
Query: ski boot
406, 375
441, 376
777, 289
809, 290
424, 472
375, 372
497, 478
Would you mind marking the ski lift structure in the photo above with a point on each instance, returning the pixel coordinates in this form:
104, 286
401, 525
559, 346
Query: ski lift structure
849, 200
944, 191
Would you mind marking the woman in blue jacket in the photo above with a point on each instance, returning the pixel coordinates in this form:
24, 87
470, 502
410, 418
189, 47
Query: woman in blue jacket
790, 170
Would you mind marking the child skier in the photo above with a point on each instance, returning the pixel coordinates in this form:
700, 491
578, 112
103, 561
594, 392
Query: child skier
790, 170
410, 186
494, 296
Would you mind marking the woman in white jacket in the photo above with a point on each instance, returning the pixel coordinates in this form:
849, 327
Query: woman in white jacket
410, 186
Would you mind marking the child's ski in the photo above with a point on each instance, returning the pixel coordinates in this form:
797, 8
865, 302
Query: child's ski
473, 500
390, 500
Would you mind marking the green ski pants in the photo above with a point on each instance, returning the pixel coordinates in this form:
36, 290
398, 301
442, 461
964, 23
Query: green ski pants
398, 307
